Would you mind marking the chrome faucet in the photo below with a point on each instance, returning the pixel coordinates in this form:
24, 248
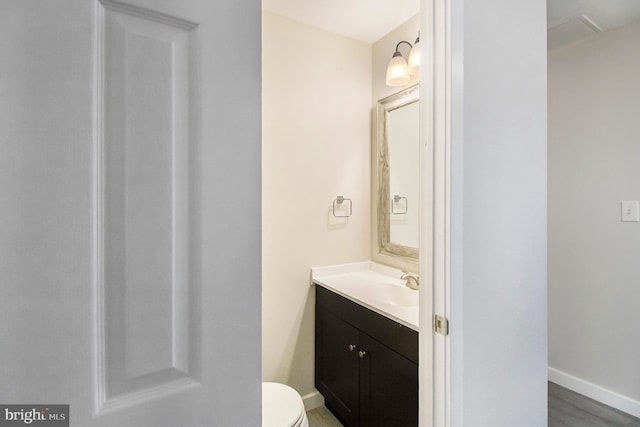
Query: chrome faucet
412, 280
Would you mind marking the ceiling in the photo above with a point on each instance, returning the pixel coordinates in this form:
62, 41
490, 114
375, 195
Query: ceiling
572, 20
366, 20
369, 20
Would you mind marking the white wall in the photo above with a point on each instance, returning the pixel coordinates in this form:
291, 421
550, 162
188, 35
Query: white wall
498, 214
316, 145
382, 51
594, 273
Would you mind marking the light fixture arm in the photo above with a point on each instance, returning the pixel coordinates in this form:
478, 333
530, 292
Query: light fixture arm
400, 42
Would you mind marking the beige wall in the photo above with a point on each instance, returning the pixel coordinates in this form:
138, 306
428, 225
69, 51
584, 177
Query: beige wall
316, 142
382, 51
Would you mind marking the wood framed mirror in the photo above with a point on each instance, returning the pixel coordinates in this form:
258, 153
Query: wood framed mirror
398, 136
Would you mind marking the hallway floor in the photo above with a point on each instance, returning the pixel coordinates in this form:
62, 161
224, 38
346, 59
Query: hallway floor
570, 409
566, 409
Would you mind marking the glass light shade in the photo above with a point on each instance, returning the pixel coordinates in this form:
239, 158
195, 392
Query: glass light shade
414, 59
397, 71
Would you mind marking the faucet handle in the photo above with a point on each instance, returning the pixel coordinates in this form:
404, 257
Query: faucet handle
412, 280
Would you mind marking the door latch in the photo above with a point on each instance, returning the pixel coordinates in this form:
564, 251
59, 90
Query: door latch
441, 325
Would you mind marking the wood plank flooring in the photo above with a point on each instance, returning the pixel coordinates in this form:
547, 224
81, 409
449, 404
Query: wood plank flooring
570, 409
566, 409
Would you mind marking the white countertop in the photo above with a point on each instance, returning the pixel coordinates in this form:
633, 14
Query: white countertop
366, 283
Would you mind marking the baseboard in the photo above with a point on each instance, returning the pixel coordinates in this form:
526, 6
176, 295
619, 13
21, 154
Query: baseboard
313, 400
595, 392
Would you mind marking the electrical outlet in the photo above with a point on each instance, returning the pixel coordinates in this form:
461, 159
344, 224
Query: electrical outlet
630, 210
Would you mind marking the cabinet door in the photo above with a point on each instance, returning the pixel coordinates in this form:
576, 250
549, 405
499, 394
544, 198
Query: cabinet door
388, 387
337, 366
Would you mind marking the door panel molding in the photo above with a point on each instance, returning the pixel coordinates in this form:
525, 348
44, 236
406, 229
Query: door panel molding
146, 311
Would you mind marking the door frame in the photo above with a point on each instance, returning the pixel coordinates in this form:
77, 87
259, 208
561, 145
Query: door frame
435, 159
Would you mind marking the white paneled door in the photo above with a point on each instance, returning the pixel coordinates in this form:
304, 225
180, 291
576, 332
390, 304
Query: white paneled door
130, 210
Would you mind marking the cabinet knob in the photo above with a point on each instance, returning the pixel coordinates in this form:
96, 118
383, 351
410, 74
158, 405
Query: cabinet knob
352, 347
362, 354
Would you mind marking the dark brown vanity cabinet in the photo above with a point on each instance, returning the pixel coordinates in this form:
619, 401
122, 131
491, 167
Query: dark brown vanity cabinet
366, 364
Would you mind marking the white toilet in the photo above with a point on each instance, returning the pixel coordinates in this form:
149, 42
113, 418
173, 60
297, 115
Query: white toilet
282, 407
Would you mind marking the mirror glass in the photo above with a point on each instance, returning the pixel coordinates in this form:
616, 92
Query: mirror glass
398, 173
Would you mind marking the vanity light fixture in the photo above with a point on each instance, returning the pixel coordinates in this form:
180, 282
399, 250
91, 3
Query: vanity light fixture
414, 57
399, 72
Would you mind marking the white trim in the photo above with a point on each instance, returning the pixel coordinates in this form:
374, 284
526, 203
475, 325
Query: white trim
435, 197
312, 400
595, 392
97, 222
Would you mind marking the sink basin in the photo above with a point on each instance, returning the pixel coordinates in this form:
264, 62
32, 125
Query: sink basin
399, 296
374, 286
